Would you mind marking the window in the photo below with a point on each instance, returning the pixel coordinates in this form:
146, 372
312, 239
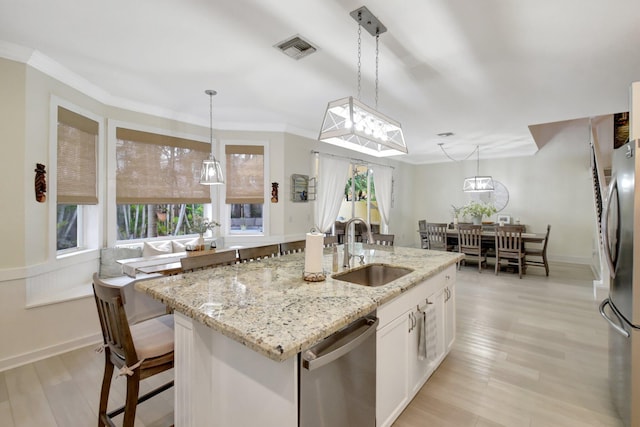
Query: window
360, 196
245, 188
76, 175
157, 184
139, 221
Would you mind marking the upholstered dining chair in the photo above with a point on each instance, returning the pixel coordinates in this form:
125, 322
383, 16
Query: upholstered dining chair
509, 246
437, 236
258, 253
200, 262
139, 351
383, 239
470, 244
539, 254
292, 247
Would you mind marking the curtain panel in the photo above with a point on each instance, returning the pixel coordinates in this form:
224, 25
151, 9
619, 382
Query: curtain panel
332, 176
383, 180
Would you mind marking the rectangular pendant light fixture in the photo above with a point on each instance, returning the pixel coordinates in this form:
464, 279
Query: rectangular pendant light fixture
351, 124
478, 184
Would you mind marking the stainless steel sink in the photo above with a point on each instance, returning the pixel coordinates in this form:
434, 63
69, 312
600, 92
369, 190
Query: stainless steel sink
373, 274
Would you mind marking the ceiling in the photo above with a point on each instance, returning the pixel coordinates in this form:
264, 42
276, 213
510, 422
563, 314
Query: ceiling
484, 70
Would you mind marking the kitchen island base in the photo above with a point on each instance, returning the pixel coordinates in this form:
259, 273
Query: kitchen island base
221, 383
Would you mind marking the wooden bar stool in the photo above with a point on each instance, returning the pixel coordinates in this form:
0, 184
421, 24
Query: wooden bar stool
139, 351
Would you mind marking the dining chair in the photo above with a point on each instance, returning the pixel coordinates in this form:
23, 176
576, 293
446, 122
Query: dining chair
139, 351
330, 241
509, 246
292, 247
540, 253
340, 227
422, 231
383, 239
258, 253
470, 243
437, 236
201, 262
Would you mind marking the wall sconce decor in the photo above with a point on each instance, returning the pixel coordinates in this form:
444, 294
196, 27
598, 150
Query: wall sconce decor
40, 183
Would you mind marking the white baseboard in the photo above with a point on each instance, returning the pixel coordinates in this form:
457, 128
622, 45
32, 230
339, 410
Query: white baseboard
43, 353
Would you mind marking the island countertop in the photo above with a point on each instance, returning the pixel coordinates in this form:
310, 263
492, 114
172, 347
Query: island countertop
267, 306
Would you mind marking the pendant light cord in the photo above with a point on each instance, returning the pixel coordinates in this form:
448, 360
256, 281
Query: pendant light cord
211, 92
211, 119
359, 58
477, 149
377, 52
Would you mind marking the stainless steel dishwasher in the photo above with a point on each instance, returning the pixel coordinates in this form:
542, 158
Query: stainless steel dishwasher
338, 378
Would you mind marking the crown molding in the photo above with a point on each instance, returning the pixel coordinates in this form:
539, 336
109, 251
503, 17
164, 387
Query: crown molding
57, 71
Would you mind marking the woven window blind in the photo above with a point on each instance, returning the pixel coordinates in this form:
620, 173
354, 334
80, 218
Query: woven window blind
157, 169
77, 169
245, 174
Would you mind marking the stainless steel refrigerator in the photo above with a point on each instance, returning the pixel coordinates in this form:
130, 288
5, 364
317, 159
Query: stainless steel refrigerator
621, 232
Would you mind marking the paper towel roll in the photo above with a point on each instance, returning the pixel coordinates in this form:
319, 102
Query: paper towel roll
313, 253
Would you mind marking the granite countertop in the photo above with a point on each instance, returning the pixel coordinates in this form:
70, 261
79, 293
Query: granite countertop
268, 307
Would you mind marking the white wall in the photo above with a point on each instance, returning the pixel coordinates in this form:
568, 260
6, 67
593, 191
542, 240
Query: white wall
552, 187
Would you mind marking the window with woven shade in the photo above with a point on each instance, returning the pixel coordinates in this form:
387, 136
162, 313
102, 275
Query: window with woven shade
157, 184
245, 188
76, 176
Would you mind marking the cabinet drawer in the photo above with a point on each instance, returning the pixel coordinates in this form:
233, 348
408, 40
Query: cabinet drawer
414, 296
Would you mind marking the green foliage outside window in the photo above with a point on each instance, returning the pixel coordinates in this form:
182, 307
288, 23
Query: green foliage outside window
145, 221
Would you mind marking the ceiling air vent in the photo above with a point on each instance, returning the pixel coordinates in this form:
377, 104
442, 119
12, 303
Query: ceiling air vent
296, 47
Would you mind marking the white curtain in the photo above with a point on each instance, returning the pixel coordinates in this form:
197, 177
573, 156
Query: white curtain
383, 180
332, 177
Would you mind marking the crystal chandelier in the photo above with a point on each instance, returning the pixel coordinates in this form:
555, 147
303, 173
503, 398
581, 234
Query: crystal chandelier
350, 123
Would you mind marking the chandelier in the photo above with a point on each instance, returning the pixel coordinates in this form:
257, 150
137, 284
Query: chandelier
350, 123
477, 183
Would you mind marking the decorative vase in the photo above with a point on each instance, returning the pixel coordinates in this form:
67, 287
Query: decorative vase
477, 220
200, 246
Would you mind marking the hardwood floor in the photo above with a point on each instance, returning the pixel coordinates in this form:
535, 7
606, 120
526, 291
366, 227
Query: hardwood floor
528, 352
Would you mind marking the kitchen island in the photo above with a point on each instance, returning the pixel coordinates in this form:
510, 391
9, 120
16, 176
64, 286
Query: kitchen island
240, 328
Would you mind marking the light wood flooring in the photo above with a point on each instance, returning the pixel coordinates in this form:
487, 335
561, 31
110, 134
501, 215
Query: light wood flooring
528, 352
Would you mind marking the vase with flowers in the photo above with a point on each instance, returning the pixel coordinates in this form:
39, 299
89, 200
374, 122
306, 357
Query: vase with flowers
477, 210
201, 225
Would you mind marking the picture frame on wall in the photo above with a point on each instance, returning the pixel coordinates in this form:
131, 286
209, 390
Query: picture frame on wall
504, 219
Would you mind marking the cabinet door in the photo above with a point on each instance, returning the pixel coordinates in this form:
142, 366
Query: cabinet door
450, 316
392, 370
421, 369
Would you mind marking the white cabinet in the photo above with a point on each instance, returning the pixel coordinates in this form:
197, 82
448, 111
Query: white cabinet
400, 371
420, 369
392, 370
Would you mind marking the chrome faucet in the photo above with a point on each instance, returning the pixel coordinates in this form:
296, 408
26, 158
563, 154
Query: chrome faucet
347, 257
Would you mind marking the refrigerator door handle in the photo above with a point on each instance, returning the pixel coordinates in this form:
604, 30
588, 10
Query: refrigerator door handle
618, 328
605, 227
